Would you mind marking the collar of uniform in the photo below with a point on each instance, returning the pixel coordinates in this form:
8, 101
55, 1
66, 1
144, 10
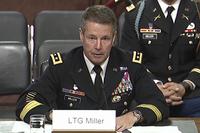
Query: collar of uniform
90, 66
164, 6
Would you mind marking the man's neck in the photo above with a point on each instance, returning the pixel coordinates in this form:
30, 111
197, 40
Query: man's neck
169, 2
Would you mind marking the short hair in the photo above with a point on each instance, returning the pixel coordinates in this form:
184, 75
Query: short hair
99, 14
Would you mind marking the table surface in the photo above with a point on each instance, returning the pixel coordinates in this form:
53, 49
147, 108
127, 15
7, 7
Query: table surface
196, 120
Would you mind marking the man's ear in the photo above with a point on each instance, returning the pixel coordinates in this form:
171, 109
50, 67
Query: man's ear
81, 34
114, 37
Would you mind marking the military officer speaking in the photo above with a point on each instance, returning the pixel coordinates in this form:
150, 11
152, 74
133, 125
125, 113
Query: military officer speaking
96, 76
168, 34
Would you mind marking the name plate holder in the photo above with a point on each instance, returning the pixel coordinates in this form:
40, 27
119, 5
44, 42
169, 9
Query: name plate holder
84, 121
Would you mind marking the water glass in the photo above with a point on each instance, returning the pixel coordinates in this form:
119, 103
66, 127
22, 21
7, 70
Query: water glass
37, 123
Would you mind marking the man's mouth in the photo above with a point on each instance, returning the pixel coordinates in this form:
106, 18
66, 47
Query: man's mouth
98, 55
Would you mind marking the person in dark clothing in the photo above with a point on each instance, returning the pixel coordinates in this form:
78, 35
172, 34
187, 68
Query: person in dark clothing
169, 45
70, 81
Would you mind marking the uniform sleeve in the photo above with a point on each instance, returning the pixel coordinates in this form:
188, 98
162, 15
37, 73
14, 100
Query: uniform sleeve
151, 102
39, 97
194, 74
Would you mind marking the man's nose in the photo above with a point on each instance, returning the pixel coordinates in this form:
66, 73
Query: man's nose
98, 44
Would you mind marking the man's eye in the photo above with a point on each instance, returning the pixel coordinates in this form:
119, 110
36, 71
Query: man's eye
91, 38
106, 38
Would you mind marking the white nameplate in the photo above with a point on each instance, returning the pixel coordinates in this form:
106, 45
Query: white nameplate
84, 120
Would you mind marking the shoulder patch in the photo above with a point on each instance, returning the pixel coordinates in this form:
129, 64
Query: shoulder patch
56, 58
137, 57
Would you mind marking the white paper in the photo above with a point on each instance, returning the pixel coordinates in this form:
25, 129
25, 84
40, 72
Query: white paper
155, 129
22, 127
6, 126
